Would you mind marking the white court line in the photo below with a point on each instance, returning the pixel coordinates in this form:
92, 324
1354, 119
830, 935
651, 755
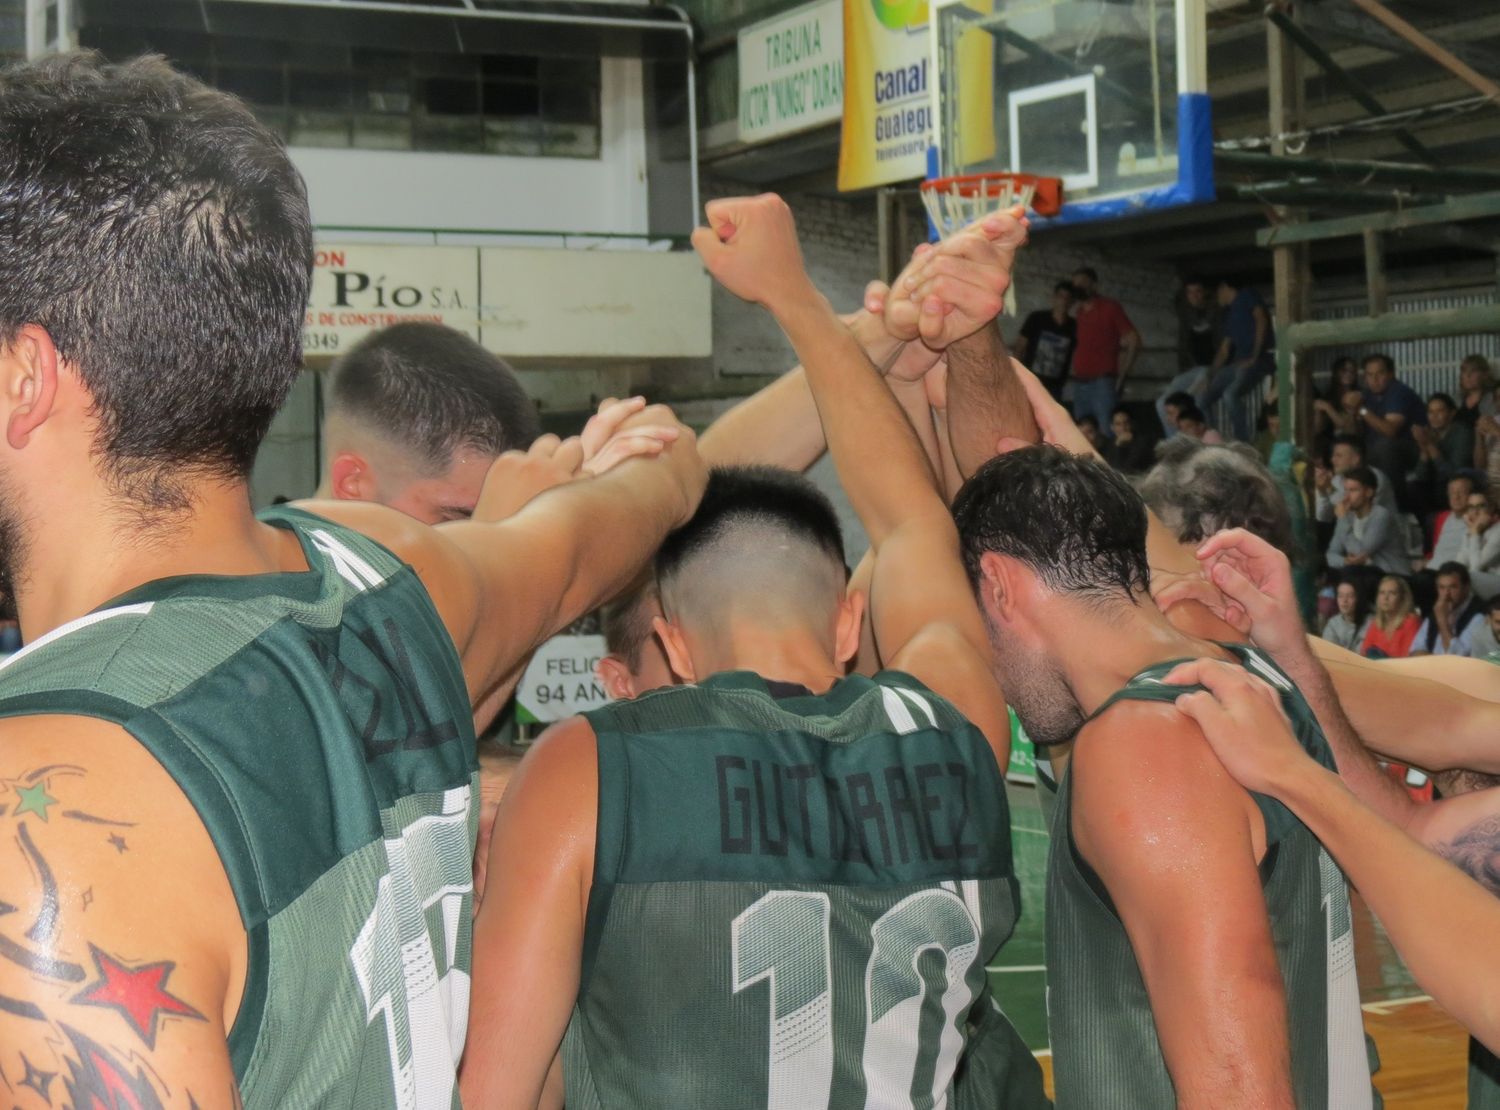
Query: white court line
1017, 967
1039, 1053
1033, 832
1384, 1008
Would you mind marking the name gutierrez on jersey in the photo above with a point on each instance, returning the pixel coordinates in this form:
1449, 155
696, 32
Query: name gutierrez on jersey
875, 816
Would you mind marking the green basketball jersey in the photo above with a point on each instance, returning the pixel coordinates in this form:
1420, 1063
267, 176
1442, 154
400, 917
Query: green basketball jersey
319, 723
1484, 1078
1105, 1051
794, 901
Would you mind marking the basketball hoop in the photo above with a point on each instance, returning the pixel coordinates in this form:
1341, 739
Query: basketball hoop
954, 203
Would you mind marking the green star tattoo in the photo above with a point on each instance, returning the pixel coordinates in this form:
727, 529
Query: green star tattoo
34, 799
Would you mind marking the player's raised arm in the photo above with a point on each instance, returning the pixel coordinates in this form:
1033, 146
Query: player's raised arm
122, 957
1208, 959
923, 611
1431, 910
504, 587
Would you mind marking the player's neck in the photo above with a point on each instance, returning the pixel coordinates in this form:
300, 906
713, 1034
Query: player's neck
90, 548
1137, 637
777, 655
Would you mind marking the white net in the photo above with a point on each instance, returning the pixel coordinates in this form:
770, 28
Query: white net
956, 202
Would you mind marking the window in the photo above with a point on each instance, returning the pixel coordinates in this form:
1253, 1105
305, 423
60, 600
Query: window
340, 96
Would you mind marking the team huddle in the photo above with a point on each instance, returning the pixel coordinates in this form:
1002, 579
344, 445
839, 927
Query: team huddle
251, 856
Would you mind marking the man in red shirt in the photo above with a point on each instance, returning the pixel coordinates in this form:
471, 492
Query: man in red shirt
1106, 348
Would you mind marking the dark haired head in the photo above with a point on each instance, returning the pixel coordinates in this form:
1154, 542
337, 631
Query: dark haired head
1072, 520
1383, 360
763, 538
1089, 420
1064, 286
1196, 279
1492, 605
1353, 442
1457, 570
626, 621
1364, 476
1198, 489
1443, 399
1180, 400
1191, 414
434, 391
161, 237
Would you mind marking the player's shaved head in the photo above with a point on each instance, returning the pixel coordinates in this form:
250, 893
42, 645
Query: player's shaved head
764, 547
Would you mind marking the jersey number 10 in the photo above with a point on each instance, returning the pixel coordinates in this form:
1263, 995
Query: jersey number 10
784, 938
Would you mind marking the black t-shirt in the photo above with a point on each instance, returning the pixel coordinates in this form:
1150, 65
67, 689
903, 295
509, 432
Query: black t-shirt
1049, 345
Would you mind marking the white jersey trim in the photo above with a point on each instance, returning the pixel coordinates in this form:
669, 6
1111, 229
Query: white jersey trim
78, 625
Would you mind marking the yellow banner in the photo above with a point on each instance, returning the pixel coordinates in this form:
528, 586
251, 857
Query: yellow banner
889, 92
887, 96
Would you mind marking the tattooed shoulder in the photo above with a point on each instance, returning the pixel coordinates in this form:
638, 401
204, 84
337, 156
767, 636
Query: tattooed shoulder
1476, 851
82, 1015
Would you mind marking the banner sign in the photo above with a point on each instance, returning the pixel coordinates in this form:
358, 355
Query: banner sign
1022, 754
560, 681
792, 71
888, 123
358, 289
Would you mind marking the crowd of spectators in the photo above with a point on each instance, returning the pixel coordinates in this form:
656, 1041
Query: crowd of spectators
1404, 497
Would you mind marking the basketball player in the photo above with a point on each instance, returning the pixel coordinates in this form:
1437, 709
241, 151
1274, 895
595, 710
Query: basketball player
236, 760
1170, 888
779, 426
731, 883
1462, 829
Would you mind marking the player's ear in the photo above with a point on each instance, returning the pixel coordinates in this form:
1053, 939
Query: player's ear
28, 383
674, 643
616, 677
998, 587
350, 477
846, 631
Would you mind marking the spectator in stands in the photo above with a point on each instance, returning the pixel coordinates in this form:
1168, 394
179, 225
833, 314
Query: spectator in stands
1476, 390
1395, 623
1444, 447
1045, 345
1484, 637
1480, 550
1089, 426
1245, 354
1107, 346
1169, 407
1198, 319
1348, 626
1268, 429
1192, 423
1446, 630
1127, 452
1390, 411
1336, 409
1347, 453
1450, 526
1367, 534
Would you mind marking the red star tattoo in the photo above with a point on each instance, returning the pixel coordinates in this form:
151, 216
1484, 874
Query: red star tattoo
138, 994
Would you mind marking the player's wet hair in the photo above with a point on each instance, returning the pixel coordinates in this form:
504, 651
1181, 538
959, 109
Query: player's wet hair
766, 497
433, 390
1074, 521
1198, 489
161, 236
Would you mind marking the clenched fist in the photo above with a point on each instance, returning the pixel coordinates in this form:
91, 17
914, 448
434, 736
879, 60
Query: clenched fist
750, 247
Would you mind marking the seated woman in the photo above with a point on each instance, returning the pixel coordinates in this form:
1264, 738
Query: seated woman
1396, 621
1348, 627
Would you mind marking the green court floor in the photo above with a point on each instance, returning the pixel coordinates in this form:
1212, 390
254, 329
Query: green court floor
1019, 979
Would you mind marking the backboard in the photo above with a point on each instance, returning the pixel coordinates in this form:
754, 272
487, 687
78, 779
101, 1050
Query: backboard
1109, 95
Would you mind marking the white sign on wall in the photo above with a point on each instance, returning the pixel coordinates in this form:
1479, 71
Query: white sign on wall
358, 289
792, 71
560, 681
